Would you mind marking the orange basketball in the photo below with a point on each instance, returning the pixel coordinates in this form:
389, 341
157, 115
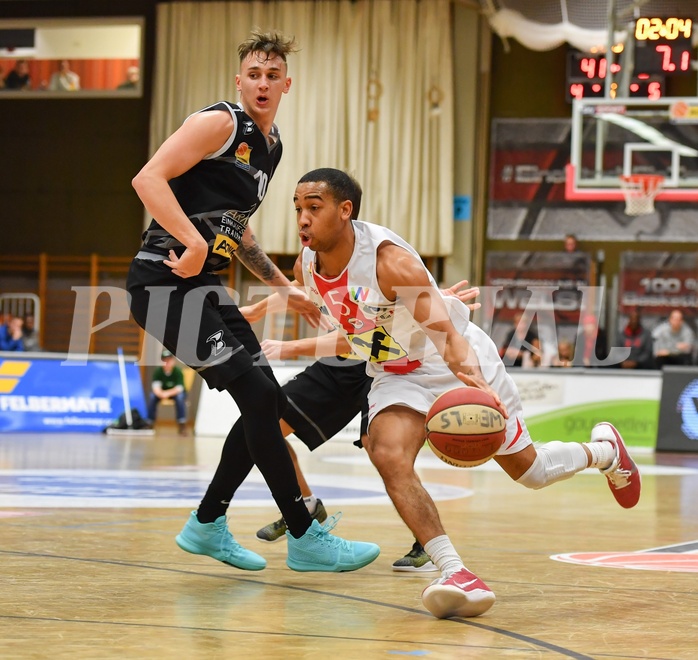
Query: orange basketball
465, 427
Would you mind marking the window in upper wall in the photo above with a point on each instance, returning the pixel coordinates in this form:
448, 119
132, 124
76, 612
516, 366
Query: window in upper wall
71, 58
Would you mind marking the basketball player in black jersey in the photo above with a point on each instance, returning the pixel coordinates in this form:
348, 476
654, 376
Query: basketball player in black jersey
201, 188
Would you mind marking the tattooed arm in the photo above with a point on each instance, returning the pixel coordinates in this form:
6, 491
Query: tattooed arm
259, 264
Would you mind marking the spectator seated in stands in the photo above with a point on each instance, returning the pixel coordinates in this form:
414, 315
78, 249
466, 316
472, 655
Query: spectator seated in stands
168, 383
639, 340
536, 357
18, 78
591, 346
674, 341
519, 341
11, 335
565, 354
30, 337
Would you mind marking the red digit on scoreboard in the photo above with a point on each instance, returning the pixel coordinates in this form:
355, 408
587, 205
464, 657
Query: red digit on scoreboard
588, 65
685, 60
577, 91
654, 91
665, 52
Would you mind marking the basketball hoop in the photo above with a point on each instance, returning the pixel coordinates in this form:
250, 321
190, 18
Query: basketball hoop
640, 191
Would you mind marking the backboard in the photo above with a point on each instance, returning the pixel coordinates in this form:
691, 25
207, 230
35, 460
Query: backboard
626, 136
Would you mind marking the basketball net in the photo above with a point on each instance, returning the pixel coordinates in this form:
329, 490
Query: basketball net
640, 191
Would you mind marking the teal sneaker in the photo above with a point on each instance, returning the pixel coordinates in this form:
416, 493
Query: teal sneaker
318, 550
276, 531
215, 540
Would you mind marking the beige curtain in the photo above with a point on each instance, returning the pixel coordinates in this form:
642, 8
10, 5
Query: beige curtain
371, 94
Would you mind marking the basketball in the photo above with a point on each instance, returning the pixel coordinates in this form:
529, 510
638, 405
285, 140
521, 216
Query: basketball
465, 427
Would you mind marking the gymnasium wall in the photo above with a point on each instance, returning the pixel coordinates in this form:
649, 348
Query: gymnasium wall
67, 164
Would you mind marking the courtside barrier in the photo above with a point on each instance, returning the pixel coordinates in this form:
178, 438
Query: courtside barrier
46, 392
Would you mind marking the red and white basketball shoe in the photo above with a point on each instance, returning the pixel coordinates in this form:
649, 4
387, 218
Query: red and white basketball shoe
460, 594
623, 475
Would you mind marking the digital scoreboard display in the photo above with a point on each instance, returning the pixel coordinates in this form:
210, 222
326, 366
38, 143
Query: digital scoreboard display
662, 47
586, 78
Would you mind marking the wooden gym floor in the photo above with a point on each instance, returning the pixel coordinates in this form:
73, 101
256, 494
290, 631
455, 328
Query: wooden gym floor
89, 567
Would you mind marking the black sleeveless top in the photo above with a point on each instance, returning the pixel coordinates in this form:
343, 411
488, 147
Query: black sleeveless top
221, 192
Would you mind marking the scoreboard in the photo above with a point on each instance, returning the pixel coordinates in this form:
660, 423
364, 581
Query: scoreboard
662, 48
663, 45
586, 78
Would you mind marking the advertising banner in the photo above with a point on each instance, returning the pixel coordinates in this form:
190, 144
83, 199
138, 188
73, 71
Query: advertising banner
558, 404
49, 394
564, 404
678, 414
658, 282
551, 282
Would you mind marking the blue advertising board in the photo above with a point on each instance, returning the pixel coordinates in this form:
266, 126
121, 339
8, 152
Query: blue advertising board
49, 394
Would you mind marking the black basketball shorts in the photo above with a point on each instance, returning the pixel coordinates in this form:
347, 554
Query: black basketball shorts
325, 397
196, 319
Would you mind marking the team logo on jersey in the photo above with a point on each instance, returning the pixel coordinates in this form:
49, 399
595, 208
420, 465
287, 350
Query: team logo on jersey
231, 228
224, 246
377, 314
247, 127
359, 293
376, 345
242, 155
681, 558
217, 343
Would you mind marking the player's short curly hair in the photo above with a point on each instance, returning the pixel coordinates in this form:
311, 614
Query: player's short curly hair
341, 185
271, 43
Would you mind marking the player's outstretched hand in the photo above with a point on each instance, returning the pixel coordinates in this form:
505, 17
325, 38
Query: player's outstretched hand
273, 349
465, 295
475, 379
299, 302
189, 264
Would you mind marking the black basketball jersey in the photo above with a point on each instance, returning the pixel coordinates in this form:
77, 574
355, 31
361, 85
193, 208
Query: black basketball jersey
221, 192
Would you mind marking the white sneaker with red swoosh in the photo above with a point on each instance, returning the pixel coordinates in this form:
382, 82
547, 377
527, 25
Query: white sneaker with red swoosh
623, 475
460, 594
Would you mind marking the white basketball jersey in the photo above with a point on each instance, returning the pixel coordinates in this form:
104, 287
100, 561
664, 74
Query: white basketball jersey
405, 363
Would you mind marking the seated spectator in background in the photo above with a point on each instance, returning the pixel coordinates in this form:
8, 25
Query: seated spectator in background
639, 340
64, 80
30, 336
565, 354
168, 383
133, 75
591, 346
571, 243
19, 77
519, 341
674, 341
11, 335
535, 357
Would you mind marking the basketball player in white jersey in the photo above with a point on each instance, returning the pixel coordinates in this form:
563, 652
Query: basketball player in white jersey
373, 287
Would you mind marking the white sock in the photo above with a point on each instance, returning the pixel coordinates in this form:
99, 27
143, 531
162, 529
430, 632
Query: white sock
603, 454
444, 555
310, 503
